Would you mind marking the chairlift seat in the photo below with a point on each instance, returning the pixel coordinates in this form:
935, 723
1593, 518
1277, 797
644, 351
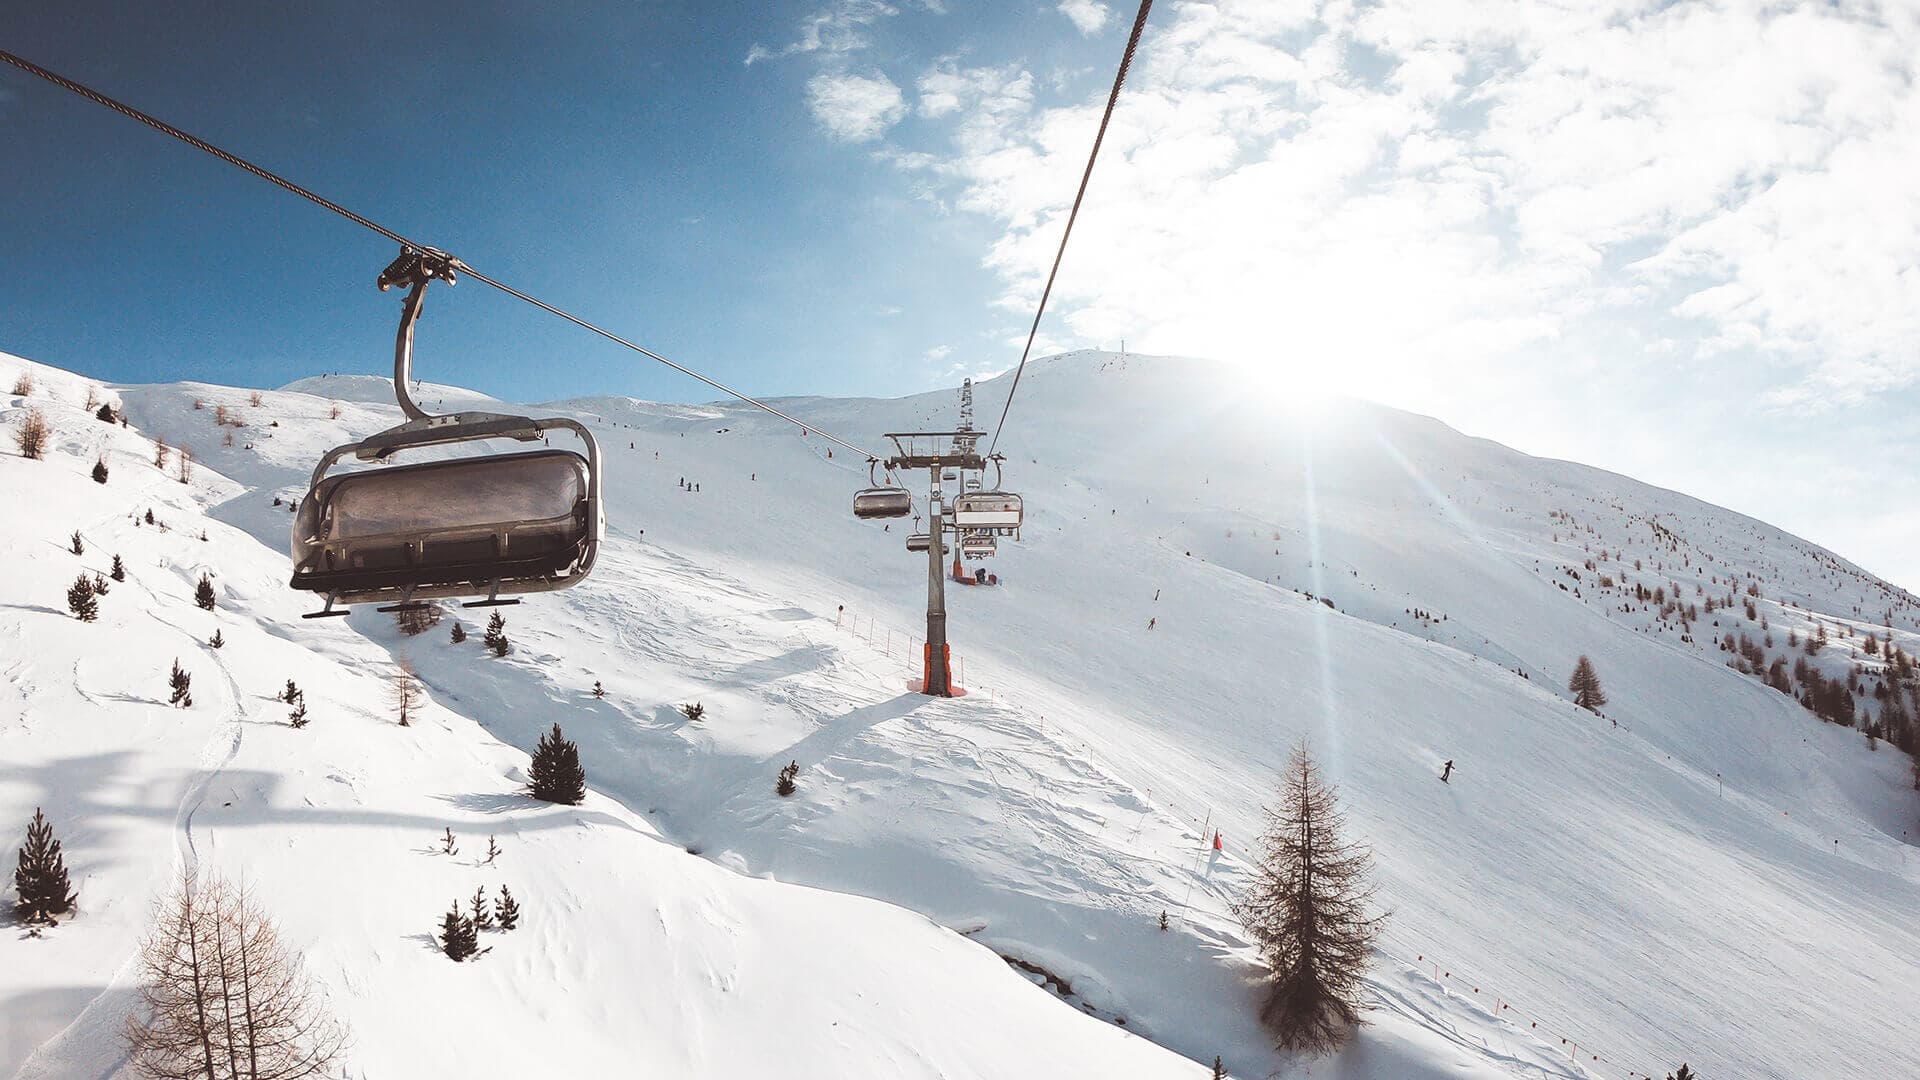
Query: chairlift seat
978, 547
882, 502
919, 542
503, 524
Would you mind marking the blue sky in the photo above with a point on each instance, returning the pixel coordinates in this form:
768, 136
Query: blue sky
622, 160
1677, 240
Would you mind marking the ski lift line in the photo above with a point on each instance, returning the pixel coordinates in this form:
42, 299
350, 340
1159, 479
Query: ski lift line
1113, 96
237, 162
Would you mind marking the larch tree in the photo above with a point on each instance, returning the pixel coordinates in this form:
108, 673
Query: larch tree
1310, 912
404, 694
1585, 685
223, 997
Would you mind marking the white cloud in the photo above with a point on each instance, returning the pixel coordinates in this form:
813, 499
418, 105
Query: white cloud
855, 108
1088, 15
1420, 188
840, 27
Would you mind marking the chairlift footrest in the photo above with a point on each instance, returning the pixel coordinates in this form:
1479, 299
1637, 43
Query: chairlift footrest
488, 603
330, 613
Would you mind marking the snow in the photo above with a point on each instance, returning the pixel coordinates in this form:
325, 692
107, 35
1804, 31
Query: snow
1721, 878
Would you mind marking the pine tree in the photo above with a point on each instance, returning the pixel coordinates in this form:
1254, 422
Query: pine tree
99, 470
292, 693
447, 844
1585, 686
785, 786
298, 717
493, 849
182, 684
1219, 1070
598, 690
77, 545
509, 910
203, 593
1163, 918
80, 599
482, 917
457, 937
693, 711
556, 774
41, 878
106, 414
1309, 912
416, 620
496, 637
459, 633
1683, 1073
216, 640
119, 571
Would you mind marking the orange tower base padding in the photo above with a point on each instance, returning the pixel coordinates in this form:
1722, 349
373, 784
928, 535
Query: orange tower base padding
926, 671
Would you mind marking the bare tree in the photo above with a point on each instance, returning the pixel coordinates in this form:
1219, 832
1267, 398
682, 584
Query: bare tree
33, 432
404, 694
1310, 912
23, 384
223, 998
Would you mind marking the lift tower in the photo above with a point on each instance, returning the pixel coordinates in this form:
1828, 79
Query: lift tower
936, 452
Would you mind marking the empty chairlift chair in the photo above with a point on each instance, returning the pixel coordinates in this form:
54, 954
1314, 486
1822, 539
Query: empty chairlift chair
881, 501
994, 513
484, 526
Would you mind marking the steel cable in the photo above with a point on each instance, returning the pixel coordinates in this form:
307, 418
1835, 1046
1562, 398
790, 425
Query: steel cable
1119, 78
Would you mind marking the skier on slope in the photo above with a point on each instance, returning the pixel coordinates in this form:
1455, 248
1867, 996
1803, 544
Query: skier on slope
1446, 771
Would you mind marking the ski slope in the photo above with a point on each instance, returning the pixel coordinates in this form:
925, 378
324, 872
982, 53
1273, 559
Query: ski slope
1707, 873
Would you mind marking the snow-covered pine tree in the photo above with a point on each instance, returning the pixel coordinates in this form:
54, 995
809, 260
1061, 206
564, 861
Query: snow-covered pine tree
77, 545
482, 915
457, 937
182, 684
99, 470
496, 637
784, 786
119, 571
1310, 913
459, 633
41, 878
1585, 685
216, 641
203, 593
509, 910
556, 775
80, 599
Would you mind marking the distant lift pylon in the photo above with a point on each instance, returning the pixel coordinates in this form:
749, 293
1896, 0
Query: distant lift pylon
488, 526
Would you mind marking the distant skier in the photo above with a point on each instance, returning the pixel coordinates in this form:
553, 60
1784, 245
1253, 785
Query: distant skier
1446, 771
1152, 622
1156, 596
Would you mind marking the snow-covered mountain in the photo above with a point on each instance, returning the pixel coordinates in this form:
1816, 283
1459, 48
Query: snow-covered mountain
1706, 873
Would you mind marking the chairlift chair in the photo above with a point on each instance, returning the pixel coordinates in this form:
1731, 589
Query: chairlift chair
998, 511
919, 542
488, 526
881, 500
979, 547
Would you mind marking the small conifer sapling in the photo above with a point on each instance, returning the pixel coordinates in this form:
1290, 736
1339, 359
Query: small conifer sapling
509, 910
182, 684
203, 593
119, 571
80, 599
